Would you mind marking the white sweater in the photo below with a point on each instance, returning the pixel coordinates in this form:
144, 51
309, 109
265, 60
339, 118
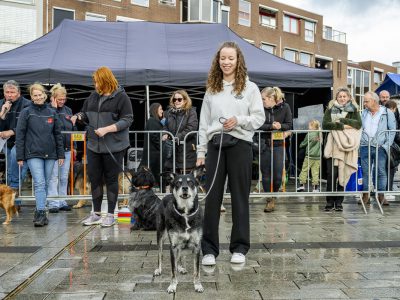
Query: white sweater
247, 107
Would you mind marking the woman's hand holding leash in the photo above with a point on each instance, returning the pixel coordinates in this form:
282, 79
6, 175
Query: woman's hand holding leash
230, 123
60, 162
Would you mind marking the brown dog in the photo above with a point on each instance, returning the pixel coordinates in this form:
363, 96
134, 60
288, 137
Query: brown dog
123, 188
7, 201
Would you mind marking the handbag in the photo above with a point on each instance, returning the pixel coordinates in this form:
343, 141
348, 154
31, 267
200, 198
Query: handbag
227, 140
355, 182
394, 155
394, 158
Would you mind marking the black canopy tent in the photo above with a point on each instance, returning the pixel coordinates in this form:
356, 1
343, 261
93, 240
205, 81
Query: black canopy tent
150, 58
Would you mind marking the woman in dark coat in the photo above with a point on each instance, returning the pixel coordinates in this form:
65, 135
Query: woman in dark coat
151, 148
181, 118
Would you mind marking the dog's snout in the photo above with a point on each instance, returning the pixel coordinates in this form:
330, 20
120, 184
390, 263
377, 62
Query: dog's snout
185, 188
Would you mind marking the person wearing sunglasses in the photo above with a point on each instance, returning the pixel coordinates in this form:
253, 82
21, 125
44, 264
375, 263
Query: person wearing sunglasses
180, 119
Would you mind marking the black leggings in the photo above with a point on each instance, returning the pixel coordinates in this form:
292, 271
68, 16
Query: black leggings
272, 164
103, 169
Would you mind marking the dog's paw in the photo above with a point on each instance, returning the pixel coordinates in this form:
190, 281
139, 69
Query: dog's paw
198, 287
6, 222
182, 270
157, 272
172, 288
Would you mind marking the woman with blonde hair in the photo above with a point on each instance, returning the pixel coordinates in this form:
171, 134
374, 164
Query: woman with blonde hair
233, 104
278, 119
39, 144
342, 113
107, 114
58, 183
180, 119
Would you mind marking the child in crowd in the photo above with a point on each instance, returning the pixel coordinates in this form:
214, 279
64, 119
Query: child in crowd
313, 142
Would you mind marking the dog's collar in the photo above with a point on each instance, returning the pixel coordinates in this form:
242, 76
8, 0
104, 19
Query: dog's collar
185, 216
142, 187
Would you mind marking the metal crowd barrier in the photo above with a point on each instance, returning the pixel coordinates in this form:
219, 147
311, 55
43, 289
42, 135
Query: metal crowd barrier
290, 141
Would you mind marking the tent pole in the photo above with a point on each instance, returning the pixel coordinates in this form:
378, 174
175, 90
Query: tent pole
148, 101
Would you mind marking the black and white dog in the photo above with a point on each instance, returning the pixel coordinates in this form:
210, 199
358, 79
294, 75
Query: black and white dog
180, 219
143, 202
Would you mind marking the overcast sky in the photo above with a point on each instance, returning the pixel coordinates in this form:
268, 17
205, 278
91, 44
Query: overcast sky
372, 27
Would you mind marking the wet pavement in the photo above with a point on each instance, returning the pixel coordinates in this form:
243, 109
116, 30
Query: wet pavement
298, 252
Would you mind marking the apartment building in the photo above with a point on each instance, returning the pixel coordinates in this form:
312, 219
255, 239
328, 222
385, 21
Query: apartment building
366, 76
21, 21
294, 34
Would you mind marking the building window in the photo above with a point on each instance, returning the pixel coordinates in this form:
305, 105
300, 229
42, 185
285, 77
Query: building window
144, 3
377, 77
59, 14
291, 24
267, 17
95, 17
168, 2
339, 69
244, 13
268, 48
249, 41
305, 59
289, 55
127, 19
22, 1
197, 11
358, 81
225, 15
309, 31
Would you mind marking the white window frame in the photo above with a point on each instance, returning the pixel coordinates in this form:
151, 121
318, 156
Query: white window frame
290, 24
270, 45
103, 17
272, 10
200, 18
241, 21
380, 77
27, 2
140, 4
227, 9
168, 2
127, 19
60, 8
249, 41
295, 54
309, 34
309, 61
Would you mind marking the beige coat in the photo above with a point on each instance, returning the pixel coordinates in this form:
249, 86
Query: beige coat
342, 146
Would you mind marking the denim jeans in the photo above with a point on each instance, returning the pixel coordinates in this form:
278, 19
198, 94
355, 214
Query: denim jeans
13, 169
41, 171
58, 184
367, 169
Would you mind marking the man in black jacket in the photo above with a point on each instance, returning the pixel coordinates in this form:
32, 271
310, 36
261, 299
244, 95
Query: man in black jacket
11, 106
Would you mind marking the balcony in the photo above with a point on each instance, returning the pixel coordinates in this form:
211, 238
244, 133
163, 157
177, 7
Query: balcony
334, 35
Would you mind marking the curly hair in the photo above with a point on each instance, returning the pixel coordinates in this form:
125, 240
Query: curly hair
215, 76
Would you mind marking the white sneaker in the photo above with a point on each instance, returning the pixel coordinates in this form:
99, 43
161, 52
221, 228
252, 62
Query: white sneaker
300, 188
92, 219
390, 197
208, 260
238, 258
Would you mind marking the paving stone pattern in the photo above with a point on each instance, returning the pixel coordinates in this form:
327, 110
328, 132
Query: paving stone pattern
298, 252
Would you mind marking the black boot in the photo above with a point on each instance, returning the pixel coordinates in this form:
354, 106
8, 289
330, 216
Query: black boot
35, 215
41, 219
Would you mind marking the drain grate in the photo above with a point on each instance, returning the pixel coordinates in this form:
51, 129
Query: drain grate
19, 249
260, 246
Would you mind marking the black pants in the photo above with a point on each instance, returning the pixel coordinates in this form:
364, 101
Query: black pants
271, 166
103, 169
332, 184
235, 162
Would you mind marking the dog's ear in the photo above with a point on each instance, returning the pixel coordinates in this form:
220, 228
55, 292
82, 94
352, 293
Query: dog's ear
198, 172
169, 177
